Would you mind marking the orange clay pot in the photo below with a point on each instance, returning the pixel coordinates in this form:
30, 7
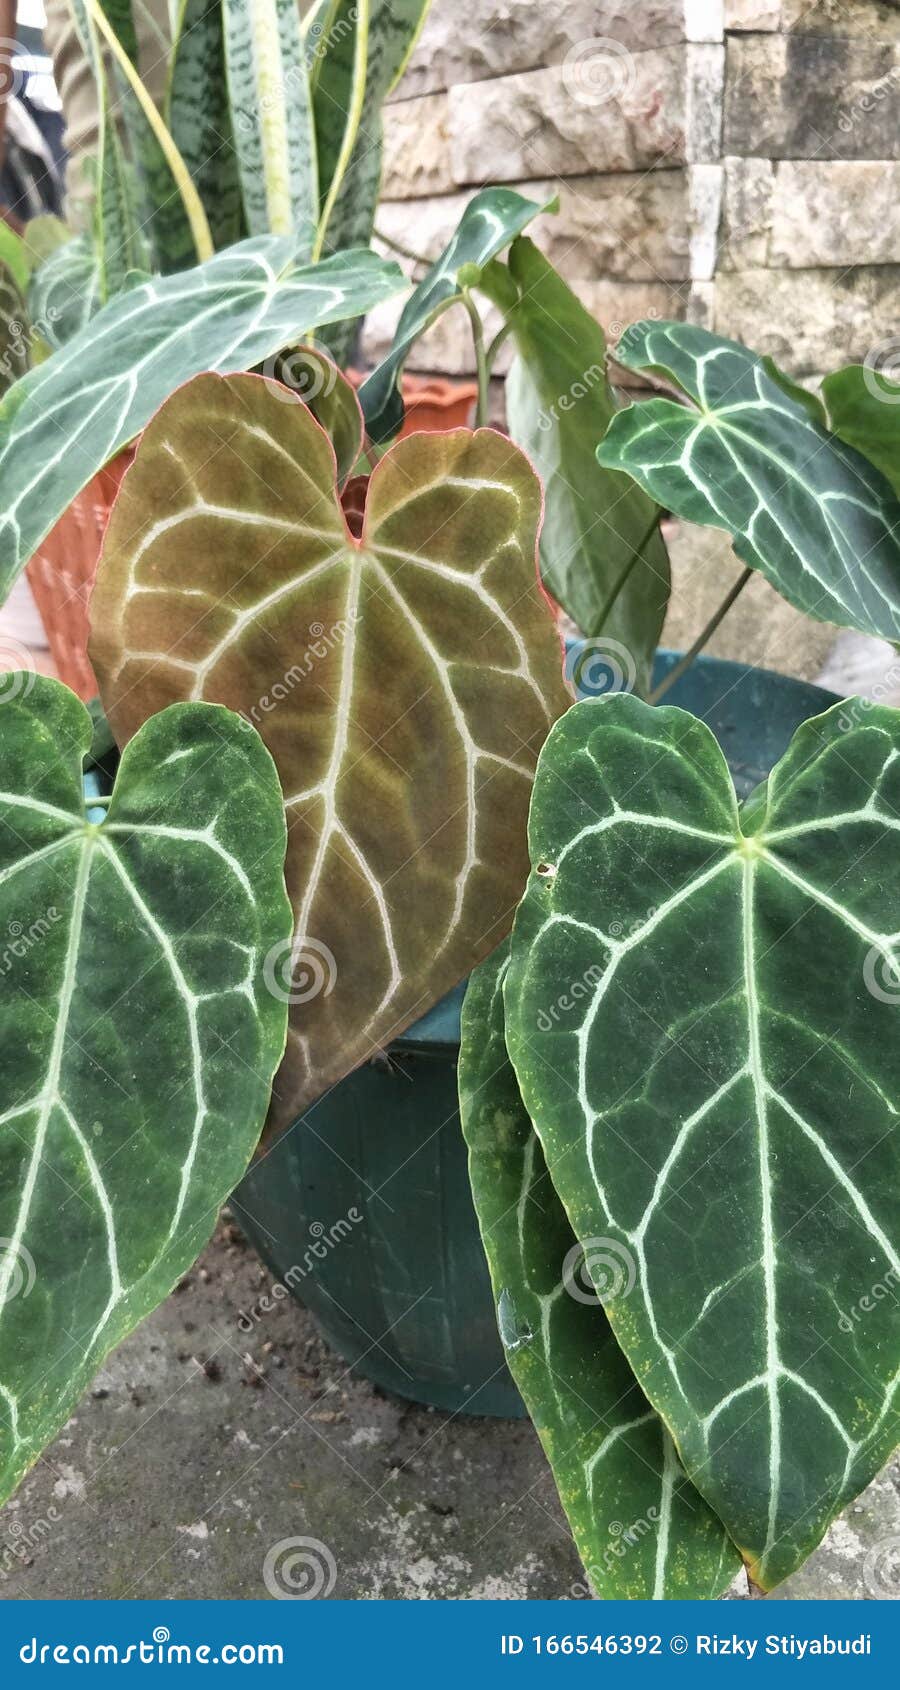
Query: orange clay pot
61, 574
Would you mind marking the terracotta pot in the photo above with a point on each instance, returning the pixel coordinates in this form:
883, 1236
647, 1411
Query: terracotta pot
61, 574
433, 404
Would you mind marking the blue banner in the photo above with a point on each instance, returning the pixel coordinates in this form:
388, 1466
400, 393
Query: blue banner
501, 1643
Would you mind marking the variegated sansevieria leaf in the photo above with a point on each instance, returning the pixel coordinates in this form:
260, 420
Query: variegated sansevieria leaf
602, 554
640, 1527
749, 455
488, 224
198, 116
14, 331
404, 682
138, 1032
702, 1012
70, 416
118, 246
271, 119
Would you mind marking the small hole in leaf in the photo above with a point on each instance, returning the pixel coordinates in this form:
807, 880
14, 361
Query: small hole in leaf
545, 870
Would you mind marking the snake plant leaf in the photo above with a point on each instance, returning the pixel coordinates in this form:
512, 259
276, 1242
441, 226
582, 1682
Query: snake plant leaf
64, 291
864, 409
490, 221
748, 456
701, 1012
139, 1036
316, 379
641, 1529
198, 116
404, 682
271, 119
393, 29
603, 557
14, 331
66, 419
118, 247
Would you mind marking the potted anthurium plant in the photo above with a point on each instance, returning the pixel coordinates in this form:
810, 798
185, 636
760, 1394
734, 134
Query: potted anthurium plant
677, 1077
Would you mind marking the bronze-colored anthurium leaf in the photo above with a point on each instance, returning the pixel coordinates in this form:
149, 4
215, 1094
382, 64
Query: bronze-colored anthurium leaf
864, 409
719, 1095
66, 419
138, 1032
403, 679
747, 453
602, 554
640, 1527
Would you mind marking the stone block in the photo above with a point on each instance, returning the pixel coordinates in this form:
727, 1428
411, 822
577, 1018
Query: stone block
746, 214
810, 320
417, 148
834, 212
801, 96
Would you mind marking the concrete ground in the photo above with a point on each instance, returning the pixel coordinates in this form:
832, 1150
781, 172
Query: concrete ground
200, 1450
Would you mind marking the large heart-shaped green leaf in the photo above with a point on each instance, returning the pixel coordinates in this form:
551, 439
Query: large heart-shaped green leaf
488, 224
271, 119
602, 555
404, 682
69, 417
64, 291
640, 1527
864, 409
138, 1034
701, 1009
751, 457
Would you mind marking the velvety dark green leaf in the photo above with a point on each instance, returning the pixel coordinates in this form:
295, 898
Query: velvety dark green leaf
488, 224
640, 1527
64, 292
14, 332
70, 416
198, 116
139, 1036
864, 409
602, 554
701, 1009
748, 456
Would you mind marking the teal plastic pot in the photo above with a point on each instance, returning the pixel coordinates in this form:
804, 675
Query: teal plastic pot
363, 1211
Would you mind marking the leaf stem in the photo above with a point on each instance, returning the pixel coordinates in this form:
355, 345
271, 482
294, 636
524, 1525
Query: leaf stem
481, 363
705, 635
504, 330
401, 250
